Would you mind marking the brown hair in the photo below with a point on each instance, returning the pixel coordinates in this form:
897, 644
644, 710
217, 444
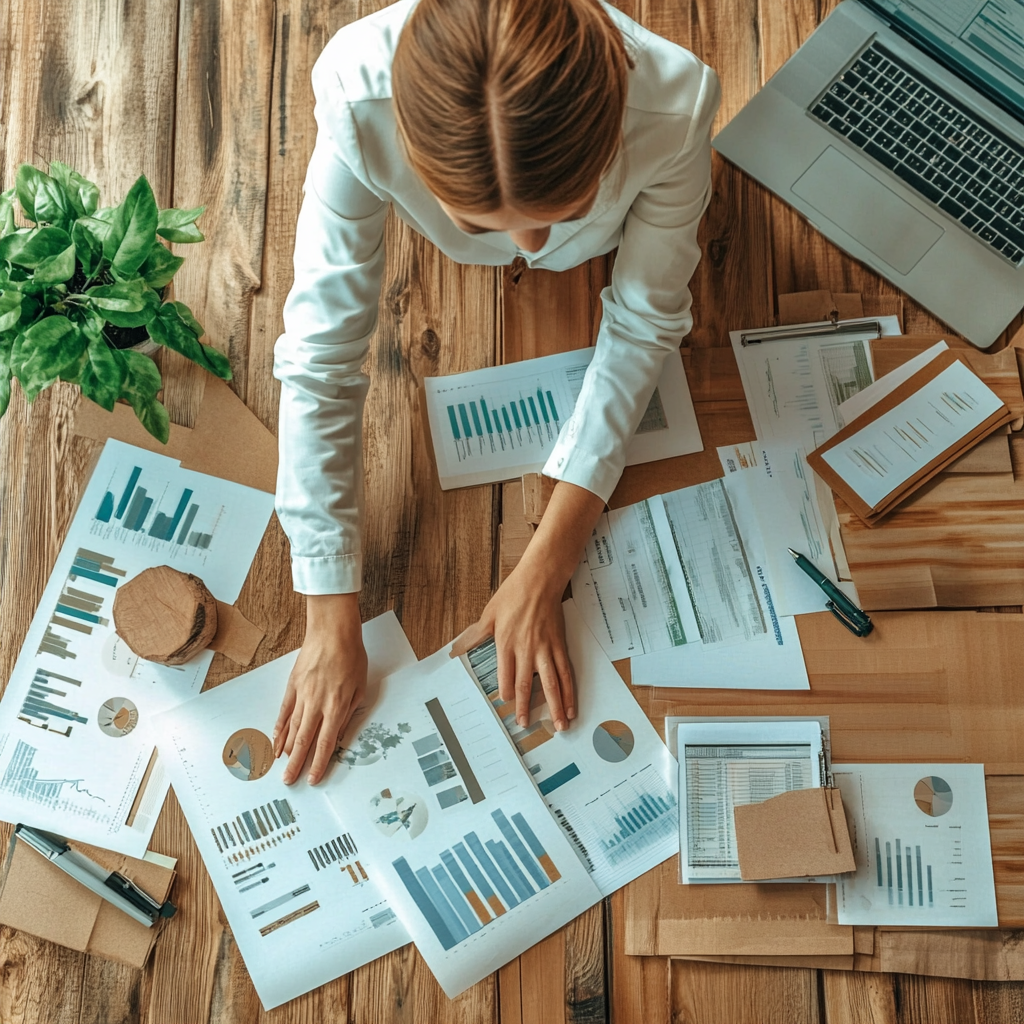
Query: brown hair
515, 102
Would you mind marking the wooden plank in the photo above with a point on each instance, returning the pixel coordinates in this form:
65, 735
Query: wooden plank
723, 994
42, 983
852, 997
221, 137
92, 85
638, 986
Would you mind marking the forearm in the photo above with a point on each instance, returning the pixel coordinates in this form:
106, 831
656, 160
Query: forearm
555, 550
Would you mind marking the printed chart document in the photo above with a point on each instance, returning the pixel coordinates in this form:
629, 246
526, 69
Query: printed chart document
679, 583
608, 779
76, 736
794, 388
294, 883
458, 837
863, 400
500, 422
723, 765
883, 455
921, 841
784, 503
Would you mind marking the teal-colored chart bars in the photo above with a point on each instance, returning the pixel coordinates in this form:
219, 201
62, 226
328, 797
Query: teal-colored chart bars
477, 881
551, 403
640, 823
454, 422
133, 509
896, 874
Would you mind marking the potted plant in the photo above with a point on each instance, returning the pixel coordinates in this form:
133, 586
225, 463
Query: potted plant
82, 291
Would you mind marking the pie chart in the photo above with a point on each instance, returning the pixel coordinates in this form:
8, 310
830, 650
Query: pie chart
117, 716
933, 796
613, 741
248, 755
398, 815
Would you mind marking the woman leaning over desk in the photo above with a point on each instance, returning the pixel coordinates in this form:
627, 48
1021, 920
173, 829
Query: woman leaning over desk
552, 130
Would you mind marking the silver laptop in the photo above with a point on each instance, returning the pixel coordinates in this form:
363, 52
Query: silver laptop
897, 130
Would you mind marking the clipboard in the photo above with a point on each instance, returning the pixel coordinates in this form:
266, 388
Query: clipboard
871, 514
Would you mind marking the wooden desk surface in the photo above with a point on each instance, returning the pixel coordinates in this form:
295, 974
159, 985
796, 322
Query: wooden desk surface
211, 100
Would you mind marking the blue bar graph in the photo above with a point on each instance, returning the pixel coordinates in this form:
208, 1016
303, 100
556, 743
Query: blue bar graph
554, 411
134, 508
127, 492
476, 419
560, 778
454, 422
464, 417
473, 883
515, 416
543, 406
38, 708
487, 418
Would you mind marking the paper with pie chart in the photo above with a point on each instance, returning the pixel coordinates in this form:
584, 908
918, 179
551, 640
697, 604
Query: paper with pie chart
293, 878
921, 840
458, 837
609, 780
77, 749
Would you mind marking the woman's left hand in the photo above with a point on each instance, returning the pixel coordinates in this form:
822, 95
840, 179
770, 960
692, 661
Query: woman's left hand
525, 615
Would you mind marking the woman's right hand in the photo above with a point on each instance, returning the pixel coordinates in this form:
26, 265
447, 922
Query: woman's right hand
325, 686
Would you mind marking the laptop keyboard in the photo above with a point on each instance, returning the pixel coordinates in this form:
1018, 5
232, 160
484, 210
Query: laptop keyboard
941, 150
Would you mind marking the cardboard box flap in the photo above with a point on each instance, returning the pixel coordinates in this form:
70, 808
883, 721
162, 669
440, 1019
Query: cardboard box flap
41, 899
228, 441
800, 833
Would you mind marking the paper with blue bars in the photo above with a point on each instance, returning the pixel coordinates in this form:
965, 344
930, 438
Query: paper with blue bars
76, 748
458, 836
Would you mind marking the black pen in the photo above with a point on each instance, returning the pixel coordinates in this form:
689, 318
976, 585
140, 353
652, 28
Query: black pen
838, 603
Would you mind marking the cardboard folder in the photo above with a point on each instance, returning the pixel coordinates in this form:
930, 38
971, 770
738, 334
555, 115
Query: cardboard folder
871, 514
41, 899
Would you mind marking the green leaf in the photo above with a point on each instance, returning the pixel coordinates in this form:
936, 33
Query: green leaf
44, 351
88, 245
60, 267
179, 225
160, 266
169, 328
125, 303
31, 247
141, 385
42, 199
5, 372
6, 212
10, 309
83, 195
132, 230
103, 374
188, 319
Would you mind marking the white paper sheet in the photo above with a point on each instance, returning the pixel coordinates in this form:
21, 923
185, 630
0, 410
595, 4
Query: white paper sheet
794, 386
788, 515
497, 423
873, 393
459, 838
880, 457
295, 886
921, 841
608, 779
723, 765
771, 661
76, 731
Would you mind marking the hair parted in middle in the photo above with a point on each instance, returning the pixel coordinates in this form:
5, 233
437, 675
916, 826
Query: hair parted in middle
514, 103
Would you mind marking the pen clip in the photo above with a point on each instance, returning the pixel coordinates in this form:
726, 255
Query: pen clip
139, 897
859, 627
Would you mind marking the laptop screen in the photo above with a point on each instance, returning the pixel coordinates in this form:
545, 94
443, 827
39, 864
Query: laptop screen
984, 39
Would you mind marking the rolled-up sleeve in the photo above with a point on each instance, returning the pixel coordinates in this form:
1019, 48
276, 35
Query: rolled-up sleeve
329, 316
646, 310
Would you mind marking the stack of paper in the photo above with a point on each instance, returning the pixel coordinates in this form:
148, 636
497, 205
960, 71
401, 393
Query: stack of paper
77, 744
441, 820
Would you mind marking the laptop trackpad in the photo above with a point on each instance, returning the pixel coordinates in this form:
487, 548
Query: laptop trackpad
871, 212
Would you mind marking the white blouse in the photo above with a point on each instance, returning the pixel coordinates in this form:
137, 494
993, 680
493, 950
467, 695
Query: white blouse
649, 204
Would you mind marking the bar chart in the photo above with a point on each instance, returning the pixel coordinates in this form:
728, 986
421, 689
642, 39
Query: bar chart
42, 709
525, 420
895, 872
22, 780
479, 879
77, 608
255, 831
136, 510
628, 819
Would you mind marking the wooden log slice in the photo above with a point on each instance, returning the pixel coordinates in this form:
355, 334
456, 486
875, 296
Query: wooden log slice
165, 615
